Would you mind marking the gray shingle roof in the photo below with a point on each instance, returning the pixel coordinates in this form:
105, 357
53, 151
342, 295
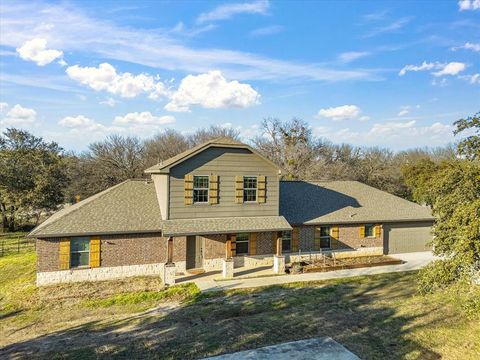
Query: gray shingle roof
128, 207
334, 202
224, 225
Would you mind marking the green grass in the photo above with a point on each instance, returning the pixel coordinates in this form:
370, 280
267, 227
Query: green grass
376, 317
14, 243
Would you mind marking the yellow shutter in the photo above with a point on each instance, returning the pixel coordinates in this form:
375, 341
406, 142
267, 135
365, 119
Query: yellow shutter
233, 239
317, 238
362, 231
262, 189
64, 254
295, 238
335, 232
95, 251
239, 189
188, 189
213, 193
253, 244
378, 231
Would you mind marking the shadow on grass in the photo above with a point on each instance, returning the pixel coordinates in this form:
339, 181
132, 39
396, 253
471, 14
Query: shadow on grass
362, 314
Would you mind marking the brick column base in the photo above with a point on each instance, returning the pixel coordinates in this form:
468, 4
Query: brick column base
227, 268
278, 264
169, 274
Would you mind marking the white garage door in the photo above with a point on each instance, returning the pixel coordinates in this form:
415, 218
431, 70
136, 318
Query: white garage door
407, 237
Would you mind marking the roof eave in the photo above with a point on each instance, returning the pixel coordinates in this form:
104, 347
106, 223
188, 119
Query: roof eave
91, 233
360, 221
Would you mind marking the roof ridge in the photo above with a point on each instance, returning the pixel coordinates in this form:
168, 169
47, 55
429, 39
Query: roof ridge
80, 206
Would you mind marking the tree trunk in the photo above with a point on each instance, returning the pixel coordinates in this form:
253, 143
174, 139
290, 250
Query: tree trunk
3, 209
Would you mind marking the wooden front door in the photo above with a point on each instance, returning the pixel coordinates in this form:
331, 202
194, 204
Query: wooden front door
194, 252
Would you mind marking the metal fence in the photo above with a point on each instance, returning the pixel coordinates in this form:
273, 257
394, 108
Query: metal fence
15, 243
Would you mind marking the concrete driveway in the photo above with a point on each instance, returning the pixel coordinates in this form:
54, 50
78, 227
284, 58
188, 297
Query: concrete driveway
413, 261
310, 349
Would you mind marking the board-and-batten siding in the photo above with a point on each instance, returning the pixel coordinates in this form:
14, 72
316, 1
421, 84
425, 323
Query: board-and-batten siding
226, 163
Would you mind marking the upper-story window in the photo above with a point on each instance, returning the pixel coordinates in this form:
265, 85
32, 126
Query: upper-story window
250, 188
200, 189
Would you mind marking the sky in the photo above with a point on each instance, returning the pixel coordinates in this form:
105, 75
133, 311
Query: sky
393, 74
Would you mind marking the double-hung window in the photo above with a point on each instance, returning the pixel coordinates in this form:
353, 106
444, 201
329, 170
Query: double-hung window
324, 237
242, 243
286, 241
200, 189
250, 189
79, 251
369, 230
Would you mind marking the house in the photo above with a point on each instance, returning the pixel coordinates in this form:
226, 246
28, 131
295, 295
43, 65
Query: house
219, 205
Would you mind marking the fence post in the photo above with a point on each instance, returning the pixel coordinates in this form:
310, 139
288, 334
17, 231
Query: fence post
18, 246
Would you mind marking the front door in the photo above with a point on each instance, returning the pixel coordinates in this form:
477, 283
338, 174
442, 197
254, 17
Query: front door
194, 252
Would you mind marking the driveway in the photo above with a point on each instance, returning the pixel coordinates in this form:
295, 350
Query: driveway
311, 349
413, 261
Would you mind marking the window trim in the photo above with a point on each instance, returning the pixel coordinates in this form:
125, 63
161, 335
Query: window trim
329, 236
207, 188
79, 252
256, 189
242, 241
365, 229
291, 240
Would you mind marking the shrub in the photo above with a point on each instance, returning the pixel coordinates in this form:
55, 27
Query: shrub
438, 275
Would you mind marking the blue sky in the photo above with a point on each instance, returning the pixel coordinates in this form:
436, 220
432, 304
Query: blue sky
375, 73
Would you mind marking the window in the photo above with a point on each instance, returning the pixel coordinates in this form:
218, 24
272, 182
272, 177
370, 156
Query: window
369, 230
249, 188
79, 252
324, 237
286, 241
242, 243
200, 189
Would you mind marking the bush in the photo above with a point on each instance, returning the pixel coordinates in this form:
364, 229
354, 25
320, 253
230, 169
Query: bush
438, 275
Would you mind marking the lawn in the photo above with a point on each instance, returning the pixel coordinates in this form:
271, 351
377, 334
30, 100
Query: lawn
376, 317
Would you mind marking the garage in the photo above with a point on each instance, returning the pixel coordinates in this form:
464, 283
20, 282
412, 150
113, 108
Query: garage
407, 237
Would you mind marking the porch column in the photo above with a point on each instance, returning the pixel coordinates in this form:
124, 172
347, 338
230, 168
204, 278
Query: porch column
169, 268
278, 259
227, 263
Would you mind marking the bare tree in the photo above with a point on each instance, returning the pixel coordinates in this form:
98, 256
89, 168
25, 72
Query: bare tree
164, 146
212, 132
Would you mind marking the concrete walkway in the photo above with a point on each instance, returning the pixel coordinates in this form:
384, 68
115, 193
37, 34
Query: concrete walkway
310, 349
413, 261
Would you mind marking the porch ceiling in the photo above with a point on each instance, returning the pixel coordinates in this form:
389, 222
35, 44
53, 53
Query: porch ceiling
206, 226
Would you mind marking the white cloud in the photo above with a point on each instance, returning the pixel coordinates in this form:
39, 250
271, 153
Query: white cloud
19, 116
343, 112
452, 68
143, 118
469, 46
227, 11
109, 102
105, 78
212, 91
404, 110
441, 82
469, 5
350, 56
36, 50
76, 121
472, 79
393, 26
267, 30
3, 106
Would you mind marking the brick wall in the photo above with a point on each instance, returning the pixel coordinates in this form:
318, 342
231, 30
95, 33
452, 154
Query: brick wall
214, 246
117, 250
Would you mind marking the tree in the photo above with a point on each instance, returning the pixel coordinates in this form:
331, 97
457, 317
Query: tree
33, 176
203, 135
470, 146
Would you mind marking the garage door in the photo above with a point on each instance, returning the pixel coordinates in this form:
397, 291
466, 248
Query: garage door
407, 237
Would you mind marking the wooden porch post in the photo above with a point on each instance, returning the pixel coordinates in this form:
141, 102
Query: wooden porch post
170, 250
279, 243
228, 247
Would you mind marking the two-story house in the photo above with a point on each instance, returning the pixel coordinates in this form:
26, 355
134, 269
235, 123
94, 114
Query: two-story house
216, 206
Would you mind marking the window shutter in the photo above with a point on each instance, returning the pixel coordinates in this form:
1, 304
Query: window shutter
335, 232
378, 231
239, 189
262, 189
95, 251
295, 238
64, 254
188, 189
317, 238
233, 239
362, 231
213, 193
253, 244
